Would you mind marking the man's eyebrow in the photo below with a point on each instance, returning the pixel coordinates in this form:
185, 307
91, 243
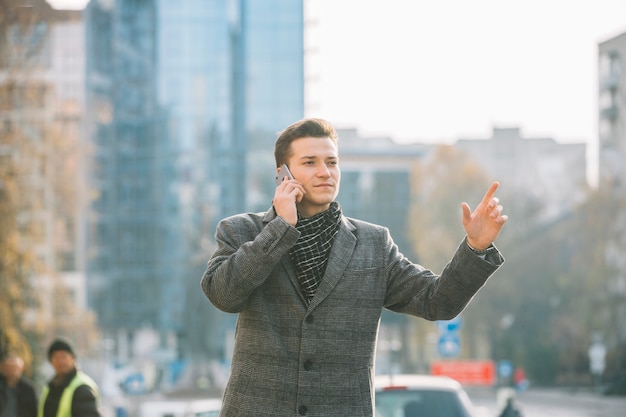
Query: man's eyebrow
319, 157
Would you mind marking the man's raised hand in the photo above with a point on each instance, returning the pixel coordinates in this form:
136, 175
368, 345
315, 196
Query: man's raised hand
484, 224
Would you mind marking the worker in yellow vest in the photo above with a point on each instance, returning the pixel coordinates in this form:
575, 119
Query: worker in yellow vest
71, 392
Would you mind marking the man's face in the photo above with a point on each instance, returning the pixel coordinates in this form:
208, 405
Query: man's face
12, 368
314, 162
63, 362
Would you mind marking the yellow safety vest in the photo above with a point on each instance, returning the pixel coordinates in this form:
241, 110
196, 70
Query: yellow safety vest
65, 403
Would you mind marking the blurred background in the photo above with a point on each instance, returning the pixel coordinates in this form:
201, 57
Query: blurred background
129, 128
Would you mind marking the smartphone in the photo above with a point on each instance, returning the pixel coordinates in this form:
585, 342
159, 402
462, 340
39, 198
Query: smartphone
283, 172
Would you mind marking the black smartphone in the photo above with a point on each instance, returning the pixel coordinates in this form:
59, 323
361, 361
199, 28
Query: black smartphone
283, 172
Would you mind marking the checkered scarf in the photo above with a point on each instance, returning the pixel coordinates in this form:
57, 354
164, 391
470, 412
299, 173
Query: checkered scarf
310, 253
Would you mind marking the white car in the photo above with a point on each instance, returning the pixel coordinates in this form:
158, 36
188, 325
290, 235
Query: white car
180, 408
421, 396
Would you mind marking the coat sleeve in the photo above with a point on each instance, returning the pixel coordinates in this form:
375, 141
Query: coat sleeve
246, 255
415, 290
85, 403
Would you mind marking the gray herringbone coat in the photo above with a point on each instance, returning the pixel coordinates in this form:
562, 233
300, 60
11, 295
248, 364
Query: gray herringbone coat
291, 359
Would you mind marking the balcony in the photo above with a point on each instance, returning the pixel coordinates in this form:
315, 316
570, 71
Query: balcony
610, 82
609, 113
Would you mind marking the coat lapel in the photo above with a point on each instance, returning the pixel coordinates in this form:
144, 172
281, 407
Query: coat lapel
340, 255
293, 276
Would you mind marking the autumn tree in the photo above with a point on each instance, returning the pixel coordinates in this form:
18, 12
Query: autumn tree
562, 283
440, 184
497, 324
601, 287
19, 98
39, 168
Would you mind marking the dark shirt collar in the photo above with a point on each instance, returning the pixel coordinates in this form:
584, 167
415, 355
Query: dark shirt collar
62, 381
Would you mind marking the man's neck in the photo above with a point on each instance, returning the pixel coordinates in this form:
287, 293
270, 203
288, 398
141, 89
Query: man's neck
307, 211
12, 381
61, 378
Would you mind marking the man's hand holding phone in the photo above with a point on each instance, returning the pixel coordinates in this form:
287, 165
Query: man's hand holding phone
288, 192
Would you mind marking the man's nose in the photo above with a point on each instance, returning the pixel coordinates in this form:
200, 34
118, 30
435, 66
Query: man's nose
323, 171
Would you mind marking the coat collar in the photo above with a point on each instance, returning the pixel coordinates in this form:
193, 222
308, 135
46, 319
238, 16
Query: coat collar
339, 257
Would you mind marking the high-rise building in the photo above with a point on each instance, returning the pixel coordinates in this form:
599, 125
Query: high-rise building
612, 181
612, 111
184, 101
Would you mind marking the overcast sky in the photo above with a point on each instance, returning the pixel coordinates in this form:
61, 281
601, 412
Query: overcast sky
439, 70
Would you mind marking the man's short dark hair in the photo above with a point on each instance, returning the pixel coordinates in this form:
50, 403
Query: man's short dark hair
311, 127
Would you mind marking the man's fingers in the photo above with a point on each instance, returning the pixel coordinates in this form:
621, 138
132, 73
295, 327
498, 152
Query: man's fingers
493, 203
467, 213
490, 192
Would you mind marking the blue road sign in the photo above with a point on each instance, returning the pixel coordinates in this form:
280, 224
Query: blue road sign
453, 325
505, 369
449, 345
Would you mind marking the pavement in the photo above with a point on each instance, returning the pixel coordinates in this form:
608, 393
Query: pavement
552, 402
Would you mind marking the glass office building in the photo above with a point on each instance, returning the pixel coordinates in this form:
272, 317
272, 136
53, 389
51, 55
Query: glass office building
184, 100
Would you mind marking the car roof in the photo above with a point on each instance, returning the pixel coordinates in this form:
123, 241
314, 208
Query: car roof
415, 381
182, 405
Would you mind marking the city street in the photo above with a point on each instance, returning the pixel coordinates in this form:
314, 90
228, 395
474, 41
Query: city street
555, 403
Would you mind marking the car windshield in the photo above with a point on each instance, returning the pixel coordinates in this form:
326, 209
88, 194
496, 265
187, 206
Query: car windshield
423, 403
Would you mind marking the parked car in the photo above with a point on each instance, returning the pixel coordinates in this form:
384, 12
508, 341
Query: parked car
421, 396
180, 408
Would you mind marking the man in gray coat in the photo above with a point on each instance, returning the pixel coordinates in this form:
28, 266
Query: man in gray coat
309, 285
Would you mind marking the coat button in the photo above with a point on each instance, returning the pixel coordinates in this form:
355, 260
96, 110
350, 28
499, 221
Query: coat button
309, 318
308, 364
302, 410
